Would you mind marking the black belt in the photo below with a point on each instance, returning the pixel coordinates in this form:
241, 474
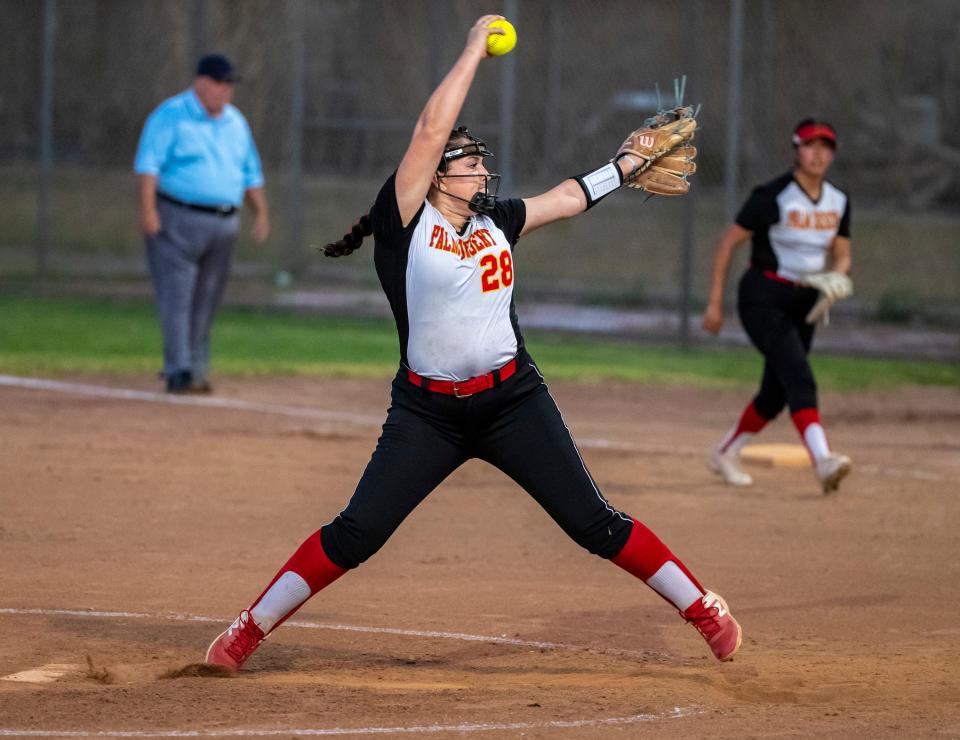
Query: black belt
218, 210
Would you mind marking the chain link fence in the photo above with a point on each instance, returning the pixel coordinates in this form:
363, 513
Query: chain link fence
332, 88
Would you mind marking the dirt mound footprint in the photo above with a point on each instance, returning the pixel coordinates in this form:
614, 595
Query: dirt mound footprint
135, 674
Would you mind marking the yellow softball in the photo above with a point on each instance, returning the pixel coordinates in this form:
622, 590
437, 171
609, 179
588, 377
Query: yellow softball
497, 44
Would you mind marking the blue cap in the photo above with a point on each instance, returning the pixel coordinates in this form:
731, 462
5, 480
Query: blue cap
217, 67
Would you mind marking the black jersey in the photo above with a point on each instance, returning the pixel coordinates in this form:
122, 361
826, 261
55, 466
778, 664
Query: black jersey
451, 292
792, 233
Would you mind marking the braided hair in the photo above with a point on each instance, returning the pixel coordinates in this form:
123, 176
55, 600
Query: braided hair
351, 241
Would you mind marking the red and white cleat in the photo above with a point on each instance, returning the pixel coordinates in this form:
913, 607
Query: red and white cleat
711, 616
236, 643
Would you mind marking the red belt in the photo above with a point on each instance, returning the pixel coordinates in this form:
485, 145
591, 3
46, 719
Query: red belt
774, 276
465, 388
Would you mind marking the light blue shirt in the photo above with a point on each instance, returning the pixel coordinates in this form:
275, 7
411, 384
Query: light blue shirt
195, 157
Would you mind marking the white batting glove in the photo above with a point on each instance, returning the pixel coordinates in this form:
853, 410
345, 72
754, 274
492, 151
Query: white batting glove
833, 286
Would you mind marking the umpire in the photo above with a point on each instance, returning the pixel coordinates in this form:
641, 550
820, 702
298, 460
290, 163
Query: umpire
196, 164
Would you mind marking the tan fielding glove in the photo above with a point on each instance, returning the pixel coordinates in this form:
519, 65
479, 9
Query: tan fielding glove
660, 153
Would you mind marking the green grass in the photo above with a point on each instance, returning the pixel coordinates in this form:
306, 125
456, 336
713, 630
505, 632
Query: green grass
53, 335
59, 336
592, 360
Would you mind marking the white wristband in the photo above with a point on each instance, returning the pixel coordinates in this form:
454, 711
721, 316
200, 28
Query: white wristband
600, 183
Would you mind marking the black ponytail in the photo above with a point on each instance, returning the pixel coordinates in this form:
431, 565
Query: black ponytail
351, 241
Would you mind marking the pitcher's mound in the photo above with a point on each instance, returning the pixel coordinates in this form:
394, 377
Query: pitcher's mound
777, 455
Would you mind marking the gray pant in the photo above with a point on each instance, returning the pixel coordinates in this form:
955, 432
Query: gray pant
189, 263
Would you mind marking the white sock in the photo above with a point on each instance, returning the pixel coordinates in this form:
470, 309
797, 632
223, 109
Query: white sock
738, 443
674, 585
289, 592
816, 440
732, 442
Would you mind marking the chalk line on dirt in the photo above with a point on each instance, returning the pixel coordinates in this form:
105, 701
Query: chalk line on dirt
676, 713
429, 634
236, 404
366, 420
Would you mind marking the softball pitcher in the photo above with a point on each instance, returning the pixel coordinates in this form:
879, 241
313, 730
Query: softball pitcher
799, 224
466, 386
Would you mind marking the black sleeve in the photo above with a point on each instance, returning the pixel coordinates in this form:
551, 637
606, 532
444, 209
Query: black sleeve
510, 215
385, 213
759, 212
844, 229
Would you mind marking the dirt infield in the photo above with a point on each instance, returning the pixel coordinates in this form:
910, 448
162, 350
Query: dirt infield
133, 530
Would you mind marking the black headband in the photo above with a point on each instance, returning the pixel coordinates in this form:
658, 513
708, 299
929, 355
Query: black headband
475, 147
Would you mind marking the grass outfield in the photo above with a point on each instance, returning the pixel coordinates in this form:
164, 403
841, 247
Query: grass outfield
52, 336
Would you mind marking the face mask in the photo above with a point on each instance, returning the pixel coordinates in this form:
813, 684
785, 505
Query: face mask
484, 201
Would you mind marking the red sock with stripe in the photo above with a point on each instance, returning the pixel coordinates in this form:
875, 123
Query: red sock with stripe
646, 557
750, 423
308, 571
807, 422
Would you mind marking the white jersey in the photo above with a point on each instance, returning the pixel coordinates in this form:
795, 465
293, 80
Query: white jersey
792, 233
451, 292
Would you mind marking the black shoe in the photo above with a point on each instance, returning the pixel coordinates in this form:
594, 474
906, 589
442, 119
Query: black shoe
179, 382
201, 387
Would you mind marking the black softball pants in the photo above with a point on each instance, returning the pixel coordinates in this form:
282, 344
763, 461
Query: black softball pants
515, 426
773, 314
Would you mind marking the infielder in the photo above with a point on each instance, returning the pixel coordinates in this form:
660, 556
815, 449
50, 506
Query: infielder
799, 225
466, 387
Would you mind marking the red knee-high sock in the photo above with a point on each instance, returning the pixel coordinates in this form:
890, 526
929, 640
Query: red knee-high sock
645, 555
309, 562
750, 423
807, 422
